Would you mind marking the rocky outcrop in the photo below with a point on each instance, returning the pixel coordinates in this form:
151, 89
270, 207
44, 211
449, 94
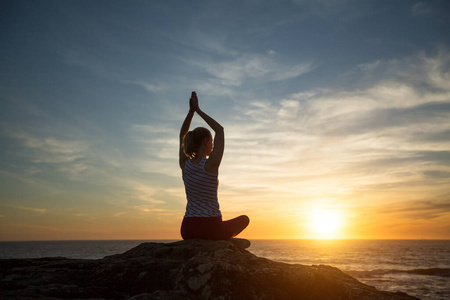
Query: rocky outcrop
194, 269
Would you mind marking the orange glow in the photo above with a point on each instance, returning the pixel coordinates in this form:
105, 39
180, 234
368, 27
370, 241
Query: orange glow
325, 224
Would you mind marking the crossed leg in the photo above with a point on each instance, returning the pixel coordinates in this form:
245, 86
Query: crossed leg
213, 228
235, 226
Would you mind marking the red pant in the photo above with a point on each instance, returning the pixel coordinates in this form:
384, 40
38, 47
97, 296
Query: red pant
212, 228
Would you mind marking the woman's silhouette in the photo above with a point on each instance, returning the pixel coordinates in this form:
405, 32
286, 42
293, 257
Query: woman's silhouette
199, 162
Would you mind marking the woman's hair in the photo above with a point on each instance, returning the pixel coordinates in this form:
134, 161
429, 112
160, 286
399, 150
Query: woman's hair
193, 140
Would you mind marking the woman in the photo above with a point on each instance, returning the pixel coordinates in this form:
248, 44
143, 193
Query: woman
199, 162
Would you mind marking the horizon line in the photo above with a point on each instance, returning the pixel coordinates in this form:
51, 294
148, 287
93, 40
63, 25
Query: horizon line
258, 239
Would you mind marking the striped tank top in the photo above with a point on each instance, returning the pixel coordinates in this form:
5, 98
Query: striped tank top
201, 191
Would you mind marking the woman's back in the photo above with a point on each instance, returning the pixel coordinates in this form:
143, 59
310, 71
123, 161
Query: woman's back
201, 190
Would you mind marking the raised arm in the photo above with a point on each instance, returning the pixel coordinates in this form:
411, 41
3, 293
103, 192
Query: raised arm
213, 163
185, 129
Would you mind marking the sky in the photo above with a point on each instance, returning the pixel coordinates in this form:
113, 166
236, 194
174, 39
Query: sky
333, 110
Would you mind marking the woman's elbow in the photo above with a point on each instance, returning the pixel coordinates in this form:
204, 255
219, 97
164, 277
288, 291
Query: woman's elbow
219, 129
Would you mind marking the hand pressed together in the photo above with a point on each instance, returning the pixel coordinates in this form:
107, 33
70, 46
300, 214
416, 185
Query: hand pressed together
193, 102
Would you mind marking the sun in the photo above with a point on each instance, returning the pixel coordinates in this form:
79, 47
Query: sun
326, 224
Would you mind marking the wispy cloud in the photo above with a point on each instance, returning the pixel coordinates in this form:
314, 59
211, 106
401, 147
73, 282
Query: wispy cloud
161, 146
429, 9
38, 210
148, 210
332, 143
423, 209
233, 72
50, 149
150, 87
42, 151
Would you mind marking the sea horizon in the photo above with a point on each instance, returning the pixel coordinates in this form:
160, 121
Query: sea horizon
258, 239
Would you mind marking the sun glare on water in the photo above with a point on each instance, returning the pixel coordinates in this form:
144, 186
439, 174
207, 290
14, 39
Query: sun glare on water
326, 224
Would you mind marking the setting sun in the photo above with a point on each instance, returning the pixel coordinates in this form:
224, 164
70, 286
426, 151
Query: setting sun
326, 224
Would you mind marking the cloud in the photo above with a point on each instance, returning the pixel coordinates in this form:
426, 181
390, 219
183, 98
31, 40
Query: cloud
149, 210
38, 210
236, 70
42, 153
423, 209
142, 192
431, 8
57, 164
421, 8
437, 174
50, 149
161, 142
334, 143
401, 102
150, 87
432, 114
423, 71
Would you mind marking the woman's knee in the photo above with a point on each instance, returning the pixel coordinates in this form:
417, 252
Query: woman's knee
245, 220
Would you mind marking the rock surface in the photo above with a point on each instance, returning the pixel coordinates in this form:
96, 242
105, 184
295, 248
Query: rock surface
194, 269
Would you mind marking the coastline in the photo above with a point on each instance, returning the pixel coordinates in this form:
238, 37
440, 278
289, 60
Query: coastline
192, 269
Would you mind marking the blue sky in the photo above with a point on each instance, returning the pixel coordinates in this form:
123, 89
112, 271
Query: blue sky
338, 105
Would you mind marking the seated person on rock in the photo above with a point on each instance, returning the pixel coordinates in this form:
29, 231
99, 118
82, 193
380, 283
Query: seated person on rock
199, 162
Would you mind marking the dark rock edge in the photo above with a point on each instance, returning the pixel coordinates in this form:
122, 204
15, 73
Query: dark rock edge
192, 269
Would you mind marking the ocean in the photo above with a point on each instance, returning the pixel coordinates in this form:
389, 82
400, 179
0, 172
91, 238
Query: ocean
420, 268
